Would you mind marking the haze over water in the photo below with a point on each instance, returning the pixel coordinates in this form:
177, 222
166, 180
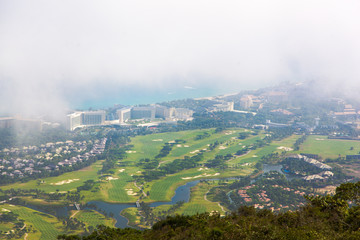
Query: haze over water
145, 95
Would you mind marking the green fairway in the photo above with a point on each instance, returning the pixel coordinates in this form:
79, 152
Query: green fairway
164, 189
329, 148
118, 191
47, 227
5, 227
93, 218
199, 203
194, 209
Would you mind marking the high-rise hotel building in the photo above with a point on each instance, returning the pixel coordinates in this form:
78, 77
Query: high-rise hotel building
79, 119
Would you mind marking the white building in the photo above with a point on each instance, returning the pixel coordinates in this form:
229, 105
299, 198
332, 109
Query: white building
124, 114
79, 119
246, 102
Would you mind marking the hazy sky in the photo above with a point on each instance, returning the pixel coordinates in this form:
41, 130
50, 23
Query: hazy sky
51, 49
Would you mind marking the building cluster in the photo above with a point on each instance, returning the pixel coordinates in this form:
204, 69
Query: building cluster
242, 193
319, 177
46, 157
149, 112
349, 115
81, 119
21, 124
152, 112
223, 107
98, 148
263, 198
246, 101
324, 175
312, 161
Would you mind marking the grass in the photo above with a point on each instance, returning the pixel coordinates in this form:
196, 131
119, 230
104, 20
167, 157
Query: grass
5, 227
198, 202
93, 218
132, 214
194, 208
164, 189
118, 193
329, 148
47, 227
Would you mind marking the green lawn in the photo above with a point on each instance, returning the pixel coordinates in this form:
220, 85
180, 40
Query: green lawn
164, 189
193, 209
48, 227
5, 227
198, 202
93, 218
117, 192
329, 148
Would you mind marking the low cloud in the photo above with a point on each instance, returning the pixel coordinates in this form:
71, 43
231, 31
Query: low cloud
50, 50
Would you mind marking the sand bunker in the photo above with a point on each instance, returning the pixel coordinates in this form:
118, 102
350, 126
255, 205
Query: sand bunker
5, 210
222, 147
202, 175
157, 140
196, 151
229, 132
111, 178
179, 145
201, 169
254, 156
121, 170
130, 151
130, 192
319, 139
138, 172
186, 145
285, 148
172, 141
65, 182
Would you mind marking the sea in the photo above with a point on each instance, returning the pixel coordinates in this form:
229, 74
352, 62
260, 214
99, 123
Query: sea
131, 96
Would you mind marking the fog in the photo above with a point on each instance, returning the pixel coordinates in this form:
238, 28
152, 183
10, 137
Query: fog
55, 54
